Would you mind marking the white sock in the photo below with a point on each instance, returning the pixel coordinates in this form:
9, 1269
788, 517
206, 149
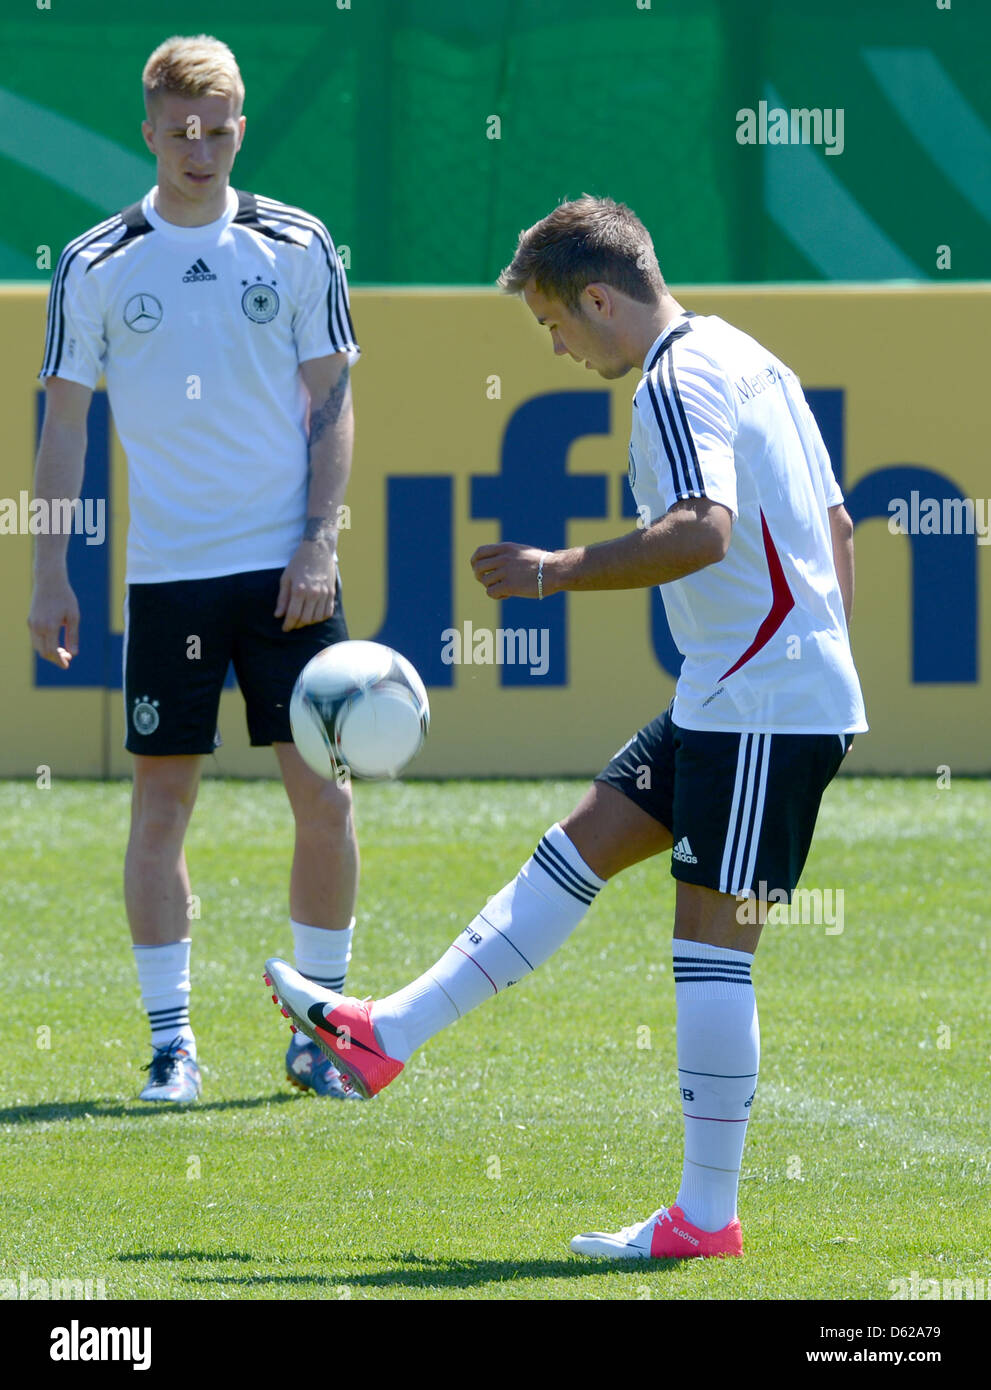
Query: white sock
718, 1058
517, 930
322, 956
163, 975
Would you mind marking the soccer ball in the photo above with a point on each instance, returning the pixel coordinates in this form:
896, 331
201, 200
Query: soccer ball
360, 706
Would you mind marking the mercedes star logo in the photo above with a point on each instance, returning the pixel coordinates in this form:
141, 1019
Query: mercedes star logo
142, 313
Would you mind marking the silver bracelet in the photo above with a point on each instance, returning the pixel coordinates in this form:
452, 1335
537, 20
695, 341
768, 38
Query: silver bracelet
540, 576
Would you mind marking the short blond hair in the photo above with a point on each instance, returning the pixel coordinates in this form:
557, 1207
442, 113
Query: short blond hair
200, 66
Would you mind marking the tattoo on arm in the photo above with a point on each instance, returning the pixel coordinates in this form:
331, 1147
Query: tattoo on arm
318, 528
327, 415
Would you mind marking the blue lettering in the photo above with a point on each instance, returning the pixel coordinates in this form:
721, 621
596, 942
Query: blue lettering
100, 649
668, 656
944, 567
533, 498
419, 560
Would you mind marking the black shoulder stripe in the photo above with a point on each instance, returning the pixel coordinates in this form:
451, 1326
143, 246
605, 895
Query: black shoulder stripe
681, 424
135, 225
296, 217
54, 296
55, 331
672, 337
669, 439
340, 327
249, 215
672, 421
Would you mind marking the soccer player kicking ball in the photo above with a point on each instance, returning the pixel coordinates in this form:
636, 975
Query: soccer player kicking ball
747, 536
221, 321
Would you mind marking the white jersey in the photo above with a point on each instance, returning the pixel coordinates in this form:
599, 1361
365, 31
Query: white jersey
200, 332
763, 631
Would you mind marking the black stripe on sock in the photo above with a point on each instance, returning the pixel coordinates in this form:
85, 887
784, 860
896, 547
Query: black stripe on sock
336, 984
704, 979
721, 1076
551, 870
558, 858
711, 960
507, 940
701, 969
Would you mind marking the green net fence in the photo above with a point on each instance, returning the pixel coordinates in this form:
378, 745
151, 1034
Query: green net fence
426, 133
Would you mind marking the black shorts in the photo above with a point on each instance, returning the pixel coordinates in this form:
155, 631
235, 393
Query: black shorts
180, 637
741, 808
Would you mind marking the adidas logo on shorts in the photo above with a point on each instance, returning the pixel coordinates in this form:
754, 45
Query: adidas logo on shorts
683, 851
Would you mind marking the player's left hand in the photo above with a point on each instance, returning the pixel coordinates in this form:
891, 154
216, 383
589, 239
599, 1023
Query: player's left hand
510, 571
307, 587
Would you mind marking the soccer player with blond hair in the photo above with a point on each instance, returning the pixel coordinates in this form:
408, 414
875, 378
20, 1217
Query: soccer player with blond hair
221, 322
746, 534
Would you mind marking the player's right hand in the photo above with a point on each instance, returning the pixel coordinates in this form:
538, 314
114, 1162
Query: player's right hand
54, 607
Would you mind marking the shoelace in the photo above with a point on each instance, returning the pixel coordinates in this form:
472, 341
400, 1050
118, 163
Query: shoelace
630, 1233
164, 1062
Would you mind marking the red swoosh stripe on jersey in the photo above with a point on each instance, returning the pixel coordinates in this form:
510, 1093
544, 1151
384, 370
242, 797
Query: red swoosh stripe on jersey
782, 602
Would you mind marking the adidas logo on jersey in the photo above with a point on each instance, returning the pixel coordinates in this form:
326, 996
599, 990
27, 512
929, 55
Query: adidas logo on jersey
199, 270
683, 851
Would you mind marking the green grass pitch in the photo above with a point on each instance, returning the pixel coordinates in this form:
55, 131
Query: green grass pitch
550, 1111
